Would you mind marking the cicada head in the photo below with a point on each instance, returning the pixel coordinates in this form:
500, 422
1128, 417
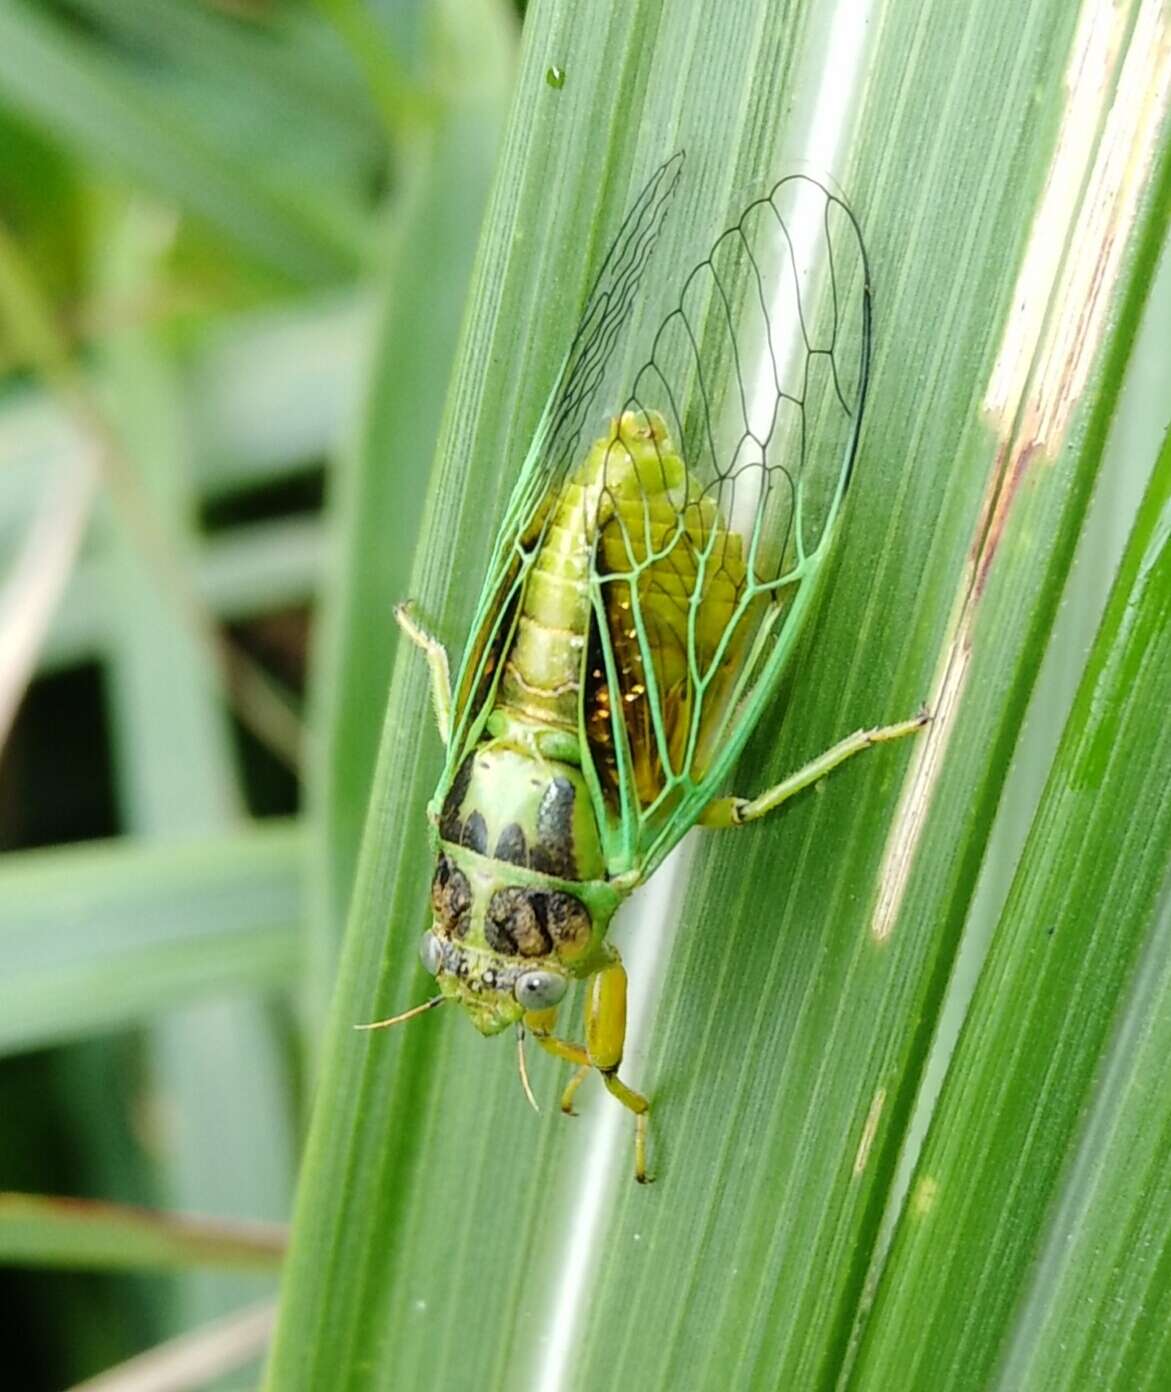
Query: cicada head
513, 923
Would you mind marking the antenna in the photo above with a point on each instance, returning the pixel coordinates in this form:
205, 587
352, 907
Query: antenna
406, 1015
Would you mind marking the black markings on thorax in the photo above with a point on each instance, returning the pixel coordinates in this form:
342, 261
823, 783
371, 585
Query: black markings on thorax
524, 922
511, 845
450, 826
553, 853
451, 898
475, 834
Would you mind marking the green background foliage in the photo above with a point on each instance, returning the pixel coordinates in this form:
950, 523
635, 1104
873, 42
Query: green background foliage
282, 290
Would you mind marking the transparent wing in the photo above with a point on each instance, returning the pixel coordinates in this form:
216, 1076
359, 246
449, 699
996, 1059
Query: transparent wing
718, 488
557, 447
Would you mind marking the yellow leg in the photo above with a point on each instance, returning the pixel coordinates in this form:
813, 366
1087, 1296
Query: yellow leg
436, 655
735, 811
572, 1086
605, 1029
639, 1105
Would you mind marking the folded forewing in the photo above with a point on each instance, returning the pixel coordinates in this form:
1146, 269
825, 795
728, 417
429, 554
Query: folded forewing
717, 489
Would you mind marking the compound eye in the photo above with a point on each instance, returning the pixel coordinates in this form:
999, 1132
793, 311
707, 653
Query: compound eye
538, 990
430, 952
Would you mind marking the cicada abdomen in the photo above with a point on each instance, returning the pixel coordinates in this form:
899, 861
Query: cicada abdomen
670, 576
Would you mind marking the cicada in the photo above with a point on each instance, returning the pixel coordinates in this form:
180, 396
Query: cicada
657, 557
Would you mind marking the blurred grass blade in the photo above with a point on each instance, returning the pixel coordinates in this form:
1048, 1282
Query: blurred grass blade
31, 591
242, 574
185, 1364
39, 1230
297, 68
1068, 986
84, 98
264, 393
100, 936
386, 76
216, 1068
270, 390
381, 480
262, 703
175, 758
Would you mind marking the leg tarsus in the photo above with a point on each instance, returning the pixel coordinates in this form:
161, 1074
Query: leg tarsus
572, 1086
436, 655
735, 811
641, 1124
638, 1104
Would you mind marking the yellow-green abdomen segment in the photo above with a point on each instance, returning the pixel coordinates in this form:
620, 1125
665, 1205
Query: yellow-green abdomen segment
633, 514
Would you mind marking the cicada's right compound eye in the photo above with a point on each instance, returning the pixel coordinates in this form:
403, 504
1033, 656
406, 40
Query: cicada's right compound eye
538, 990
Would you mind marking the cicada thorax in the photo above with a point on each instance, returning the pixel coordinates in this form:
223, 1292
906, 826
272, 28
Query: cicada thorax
519, 892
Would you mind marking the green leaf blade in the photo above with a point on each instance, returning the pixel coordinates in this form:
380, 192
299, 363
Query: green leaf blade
1084, 902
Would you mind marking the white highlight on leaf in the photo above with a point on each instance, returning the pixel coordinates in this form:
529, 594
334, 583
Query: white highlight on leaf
869, 1131
34, 585
607, 1159
1080, 233
930, 746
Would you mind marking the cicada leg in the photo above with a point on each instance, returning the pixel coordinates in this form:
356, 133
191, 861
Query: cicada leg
572, 1086
436, 655
605, 1030
735, 811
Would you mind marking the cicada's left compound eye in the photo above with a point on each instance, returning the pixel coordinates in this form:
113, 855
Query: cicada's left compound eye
430, 952
538, 990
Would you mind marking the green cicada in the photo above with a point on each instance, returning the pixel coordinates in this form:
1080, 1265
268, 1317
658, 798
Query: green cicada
647, 585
